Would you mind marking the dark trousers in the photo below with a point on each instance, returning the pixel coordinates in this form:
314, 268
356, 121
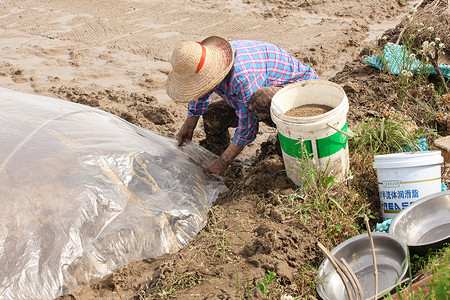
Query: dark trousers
220, 116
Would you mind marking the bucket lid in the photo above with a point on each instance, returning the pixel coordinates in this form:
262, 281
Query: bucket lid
407, 159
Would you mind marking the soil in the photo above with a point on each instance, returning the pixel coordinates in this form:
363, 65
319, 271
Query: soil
115, 55
308, 110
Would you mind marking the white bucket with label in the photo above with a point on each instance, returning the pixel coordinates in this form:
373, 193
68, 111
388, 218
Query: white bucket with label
324, 137
406, 177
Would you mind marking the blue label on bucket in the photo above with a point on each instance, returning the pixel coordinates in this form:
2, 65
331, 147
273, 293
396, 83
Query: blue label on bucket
402, 194
394, 201
395, 207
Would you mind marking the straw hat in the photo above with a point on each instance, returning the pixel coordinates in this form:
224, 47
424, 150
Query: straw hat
198, 68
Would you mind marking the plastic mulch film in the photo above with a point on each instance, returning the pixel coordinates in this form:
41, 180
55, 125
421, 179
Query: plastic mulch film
84, 192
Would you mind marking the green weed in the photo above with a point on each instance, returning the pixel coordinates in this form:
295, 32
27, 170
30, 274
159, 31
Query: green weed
332, 209
433, 263
264, 287
421, 48
222, 247
306, 281
440, 283
238, 282
384, 135
170, 286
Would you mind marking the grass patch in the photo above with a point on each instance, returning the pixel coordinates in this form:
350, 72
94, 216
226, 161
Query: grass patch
440, 284
434, 265
177, 282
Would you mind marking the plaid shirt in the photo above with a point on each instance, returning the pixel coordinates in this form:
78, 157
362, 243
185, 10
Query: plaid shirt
256, 65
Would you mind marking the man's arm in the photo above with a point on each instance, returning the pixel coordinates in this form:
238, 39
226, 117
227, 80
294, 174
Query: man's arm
195, 110
243, 135
187, 129
221, 164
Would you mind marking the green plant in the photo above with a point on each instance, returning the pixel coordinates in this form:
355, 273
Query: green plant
222, 247
264, 287
414, 56
238, 282
306, 280
440, 283
314, 180
170, 286
332, 207
420, 46
239, 285
384, 135
248, 288
435, 263
336, 211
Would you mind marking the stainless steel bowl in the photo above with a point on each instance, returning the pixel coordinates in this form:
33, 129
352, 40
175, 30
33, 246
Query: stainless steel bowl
424, 224
392, 264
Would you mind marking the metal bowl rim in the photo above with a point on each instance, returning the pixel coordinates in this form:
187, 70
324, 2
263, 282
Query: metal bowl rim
410, 207
350, 240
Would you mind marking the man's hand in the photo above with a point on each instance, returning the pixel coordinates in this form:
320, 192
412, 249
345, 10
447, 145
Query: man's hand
219, 165
187, 129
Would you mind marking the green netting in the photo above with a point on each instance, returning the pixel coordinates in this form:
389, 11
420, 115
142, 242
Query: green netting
396, 58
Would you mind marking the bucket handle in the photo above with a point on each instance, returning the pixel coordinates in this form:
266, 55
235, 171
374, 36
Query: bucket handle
349, 134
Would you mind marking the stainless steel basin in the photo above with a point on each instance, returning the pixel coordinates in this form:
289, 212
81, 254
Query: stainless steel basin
424, 224
392, 264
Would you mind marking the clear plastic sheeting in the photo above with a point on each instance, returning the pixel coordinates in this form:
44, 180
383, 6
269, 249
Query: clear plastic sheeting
84, 192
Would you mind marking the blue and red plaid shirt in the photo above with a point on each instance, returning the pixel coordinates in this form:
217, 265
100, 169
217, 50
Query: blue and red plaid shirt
256, 65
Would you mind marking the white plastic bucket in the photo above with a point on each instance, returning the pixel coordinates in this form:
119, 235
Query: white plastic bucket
323, 136
406, 177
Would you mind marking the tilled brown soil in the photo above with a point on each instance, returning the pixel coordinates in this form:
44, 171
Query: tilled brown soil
115, 56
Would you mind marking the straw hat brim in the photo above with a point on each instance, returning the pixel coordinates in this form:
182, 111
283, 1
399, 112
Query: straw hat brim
218, 62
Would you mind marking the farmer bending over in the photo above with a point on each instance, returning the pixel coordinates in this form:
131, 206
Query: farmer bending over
245, 74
